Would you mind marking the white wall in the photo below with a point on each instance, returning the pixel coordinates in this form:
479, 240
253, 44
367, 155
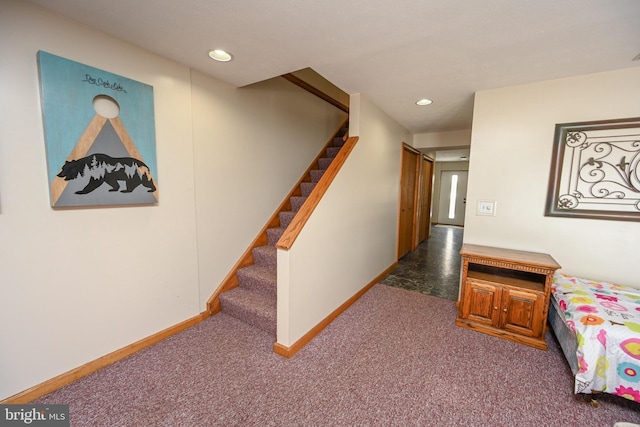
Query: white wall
351, 237
77, 284
511, 148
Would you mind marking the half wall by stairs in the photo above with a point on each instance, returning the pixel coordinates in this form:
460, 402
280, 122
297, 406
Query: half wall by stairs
249, 292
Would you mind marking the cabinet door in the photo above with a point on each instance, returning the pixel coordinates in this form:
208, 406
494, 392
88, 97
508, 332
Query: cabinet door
521, 312
480, 304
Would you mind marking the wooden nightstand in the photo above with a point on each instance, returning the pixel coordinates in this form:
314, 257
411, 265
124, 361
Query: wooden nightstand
505, 293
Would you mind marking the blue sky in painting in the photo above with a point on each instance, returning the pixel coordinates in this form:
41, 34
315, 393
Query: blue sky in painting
67, 91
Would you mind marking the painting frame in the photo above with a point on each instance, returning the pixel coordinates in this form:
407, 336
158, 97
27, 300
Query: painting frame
595, 170
99, 132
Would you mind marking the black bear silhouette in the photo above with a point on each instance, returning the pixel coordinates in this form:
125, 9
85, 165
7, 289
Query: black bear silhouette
104, 168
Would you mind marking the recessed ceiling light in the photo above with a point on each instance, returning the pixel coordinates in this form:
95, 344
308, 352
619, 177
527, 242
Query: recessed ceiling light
424, 101
220, 55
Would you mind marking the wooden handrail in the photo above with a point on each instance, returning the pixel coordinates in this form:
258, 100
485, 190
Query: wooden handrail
231, 280
312, 89
291, 233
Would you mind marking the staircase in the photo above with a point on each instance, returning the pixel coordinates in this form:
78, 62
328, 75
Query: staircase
254, 299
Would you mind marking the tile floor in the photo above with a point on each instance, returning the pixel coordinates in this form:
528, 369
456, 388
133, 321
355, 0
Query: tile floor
434, 267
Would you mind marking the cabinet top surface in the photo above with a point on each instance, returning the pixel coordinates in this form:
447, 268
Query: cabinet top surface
510, 255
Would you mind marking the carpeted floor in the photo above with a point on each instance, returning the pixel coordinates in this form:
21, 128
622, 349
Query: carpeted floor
394, 358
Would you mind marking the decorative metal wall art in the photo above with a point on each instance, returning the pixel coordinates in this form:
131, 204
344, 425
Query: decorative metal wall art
595, 170
100, 135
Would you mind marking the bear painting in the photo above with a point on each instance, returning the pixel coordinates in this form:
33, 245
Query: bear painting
102, 168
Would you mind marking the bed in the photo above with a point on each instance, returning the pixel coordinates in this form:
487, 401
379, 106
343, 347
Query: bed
598, 327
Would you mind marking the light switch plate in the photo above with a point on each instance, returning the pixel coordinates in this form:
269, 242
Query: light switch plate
486, 207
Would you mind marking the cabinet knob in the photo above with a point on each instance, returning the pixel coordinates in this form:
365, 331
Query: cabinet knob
504, 309
495, 308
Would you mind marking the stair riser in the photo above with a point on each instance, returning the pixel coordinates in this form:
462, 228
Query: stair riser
297, 202
286, 218
263, 256
307, 187
274, 234
254, 283
332, 151
324, 163
263, 321
316, 175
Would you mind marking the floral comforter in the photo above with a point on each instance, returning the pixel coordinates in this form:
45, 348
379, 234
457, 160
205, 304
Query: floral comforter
606, 320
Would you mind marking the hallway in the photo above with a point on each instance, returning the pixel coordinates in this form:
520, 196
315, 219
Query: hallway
434, 267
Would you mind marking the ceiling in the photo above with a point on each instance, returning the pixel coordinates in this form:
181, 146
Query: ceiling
392, 52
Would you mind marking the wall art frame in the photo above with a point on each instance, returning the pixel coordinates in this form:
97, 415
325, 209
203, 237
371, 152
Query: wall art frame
595, 170
97, 156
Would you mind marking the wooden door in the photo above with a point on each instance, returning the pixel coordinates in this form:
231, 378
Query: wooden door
426, 188
408, 194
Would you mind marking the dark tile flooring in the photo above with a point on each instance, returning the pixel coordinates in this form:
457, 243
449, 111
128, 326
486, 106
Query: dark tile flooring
434, 267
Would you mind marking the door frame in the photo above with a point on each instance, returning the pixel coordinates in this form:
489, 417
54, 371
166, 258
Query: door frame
425, 192
440, 195
414, 220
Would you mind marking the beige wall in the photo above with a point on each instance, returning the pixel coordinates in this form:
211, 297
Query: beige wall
77, 284
442, 140
511, 147
351, 237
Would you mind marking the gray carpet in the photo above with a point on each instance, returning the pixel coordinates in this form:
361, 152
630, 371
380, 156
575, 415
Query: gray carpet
394, 358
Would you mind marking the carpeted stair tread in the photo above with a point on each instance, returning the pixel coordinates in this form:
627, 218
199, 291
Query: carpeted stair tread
297, 202
251, 307
316, 174
307, 187
274, 234
338, 141
324, 162
259, 279
286, 217
265, 256
332, 151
